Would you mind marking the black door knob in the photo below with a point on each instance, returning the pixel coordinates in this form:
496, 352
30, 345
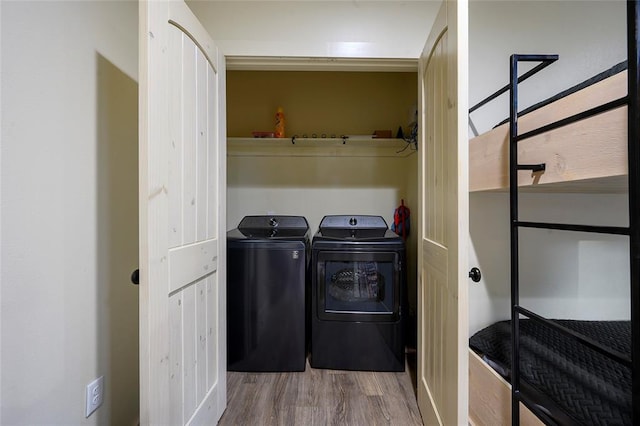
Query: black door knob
273, 222
353, 221
475, 274
135, 277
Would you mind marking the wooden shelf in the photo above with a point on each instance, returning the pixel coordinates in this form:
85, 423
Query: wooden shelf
588, 156
318, 147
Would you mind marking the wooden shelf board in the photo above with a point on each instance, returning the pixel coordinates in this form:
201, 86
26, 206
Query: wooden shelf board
317, 147
586, 156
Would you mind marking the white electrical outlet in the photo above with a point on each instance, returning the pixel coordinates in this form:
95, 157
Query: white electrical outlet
95, 395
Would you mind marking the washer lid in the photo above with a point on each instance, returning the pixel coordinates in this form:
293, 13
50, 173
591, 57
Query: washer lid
274, 226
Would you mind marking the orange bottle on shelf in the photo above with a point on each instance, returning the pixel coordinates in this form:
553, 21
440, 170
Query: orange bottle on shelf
279, 133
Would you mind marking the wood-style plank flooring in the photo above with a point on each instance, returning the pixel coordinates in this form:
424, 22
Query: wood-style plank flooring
323, 397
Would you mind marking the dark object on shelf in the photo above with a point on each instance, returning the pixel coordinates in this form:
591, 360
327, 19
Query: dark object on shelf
382, 134
263, 134
400, 134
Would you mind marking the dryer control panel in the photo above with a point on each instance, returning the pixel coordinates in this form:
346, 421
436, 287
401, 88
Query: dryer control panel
353, 226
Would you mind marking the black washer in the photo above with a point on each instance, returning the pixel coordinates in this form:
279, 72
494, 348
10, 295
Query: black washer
267, 263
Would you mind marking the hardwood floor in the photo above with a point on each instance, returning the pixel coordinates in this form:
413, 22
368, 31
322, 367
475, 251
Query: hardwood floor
323, 397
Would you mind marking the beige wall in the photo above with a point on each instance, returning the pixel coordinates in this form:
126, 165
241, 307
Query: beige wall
349, 103
315, 186
69, 211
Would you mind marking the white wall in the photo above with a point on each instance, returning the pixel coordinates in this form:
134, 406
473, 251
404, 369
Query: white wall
563, 275
348, 29
315, 186
589, 37
69, 211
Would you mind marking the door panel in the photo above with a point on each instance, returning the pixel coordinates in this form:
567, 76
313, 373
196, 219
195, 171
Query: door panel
182, 199
188, 263
442, 291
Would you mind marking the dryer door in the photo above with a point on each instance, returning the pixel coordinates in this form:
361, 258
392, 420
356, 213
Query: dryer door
358, 286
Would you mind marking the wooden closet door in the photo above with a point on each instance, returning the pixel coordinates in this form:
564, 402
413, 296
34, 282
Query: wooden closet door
182, 219
443, 227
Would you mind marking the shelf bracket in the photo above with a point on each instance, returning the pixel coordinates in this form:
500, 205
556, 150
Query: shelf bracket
533, 167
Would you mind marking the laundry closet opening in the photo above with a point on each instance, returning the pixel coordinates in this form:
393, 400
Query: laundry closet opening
347, 149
